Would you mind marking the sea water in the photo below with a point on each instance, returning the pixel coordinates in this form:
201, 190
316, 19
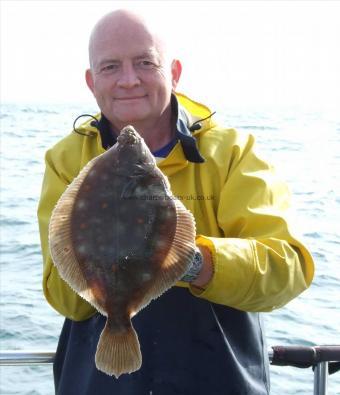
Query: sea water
303, 145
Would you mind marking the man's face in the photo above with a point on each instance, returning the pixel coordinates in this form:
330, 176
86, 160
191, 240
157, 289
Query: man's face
129, 77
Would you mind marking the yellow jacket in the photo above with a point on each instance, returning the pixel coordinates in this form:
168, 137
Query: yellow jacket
237, 201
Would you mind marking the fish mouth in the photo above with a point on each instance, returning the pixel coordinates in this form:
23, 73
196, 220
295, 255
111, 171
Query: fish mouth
128, 135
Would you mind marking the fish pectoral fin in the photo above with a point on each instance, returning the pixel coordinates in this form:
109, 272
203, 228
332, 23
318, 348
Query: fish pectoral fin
118, 351
129, 189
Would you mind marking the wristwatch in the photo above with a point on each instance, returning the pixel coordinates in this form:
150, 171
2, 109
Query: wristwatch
195, 268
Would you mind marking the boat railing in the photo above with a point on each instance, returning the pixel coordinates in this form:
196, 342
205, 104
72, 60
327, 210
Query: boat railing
324, 360
24, 358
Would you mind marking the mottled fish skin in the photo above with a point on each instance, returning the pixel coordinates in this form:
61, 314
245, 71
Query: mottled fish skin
123, 224
120, 239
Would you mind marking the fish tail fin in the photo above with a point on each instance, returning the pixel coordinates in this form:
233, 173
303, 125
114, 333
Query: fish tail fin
118, 352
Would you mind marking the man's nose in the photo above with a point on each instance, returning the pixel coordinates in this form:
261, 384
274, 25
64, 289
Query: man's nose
128, 77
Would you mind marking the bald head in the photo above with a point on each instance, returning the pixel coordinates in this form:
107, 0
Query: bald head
125, 25
132, 76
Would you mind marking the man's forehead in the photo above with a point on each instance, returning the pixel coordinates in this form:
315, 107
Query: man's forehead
120, 40
120, 54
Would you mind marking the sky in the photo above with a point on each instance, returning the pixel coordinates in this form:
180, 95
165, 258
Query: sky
248, 53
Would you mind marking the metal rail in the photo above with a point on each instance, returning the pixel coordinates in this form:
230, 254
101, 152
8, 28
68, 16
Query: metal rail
321, 378
16, 357
324, 360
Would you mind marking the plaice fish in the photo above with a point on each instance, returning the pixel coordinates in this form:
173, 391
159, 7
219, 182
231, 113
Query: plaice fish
120, 239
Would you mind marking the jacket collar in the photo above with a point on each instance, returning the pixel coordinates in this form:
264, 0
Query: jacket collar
181, 124
183, 133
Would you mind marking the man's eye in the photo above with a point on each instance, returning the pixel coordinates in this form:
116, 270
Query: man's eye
109, 68
146, 64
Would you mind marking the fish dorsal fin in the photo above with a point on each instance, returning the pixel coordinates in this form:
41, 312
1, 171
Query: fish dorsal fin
60, 242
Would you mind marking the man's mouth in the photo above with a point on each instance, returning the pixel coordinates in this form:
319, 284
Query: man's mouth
129, 98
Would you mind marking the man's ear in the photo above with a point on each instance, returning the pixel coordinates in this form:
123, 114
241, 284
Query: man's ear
176, 71
89, 80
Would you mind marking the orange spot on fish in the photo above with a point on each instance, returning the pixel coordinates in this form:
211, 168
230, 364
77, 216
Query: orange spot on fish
98, 291
140, 220
104, 205
83, 225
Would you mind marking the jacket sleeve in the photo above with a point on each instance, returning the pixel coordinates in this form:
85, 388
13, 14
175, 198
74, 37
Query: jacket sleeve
258, 264
57, 292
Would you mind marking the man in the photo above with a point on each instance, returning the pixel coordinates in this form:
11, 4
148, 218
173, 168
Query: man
204, 335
